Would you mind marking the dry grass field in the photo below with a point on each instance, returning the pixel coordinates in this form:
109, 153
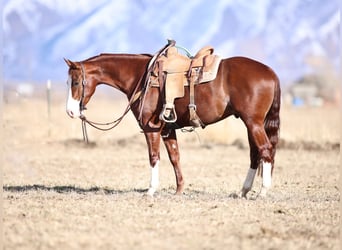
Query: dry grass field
62, 194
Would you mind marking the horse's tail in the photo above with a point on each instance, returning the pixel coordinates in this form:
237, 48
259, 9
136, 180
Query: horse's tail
272, 120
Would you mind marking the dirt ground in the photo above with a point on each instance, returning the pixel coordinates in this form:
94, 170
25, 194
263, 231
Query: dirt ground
62, 194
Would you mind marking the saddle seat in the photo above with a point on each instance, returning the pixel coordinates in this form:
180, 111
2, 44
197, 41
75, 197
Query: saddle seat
173, 71
173, 63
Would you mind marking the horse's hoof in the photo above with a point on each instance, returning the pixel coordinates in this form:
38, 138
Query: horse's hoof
263, 193
234, 196
238, 196
150, 192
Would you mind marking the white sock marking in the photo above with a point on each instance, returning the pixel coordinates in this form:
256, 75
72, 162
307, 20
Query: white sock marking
249, 179
266, 178
247, 186
154, 179
266, 174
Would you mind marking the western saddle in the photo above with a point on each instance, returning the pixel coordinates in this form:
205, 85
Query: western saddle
173, 71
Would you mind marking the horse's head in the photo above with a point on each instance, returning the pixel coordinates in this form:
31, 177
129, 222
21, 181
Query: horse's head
80, 88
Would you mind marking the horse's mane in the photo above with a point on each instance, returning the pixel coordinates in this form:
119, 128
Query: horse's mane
111, 55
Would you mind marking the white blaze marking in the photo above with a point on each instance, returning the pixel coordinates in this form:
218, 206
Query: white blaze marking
73, 106
154, 179
247, 186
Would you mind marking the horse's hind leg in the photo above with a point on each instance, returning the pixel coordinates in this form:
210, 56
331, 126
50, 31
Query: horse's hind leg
247, 185
261, 155
170, 141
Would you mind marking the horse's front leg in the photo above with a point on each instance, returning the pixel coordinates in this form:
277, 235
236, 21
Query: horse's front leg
153, 143
170, 141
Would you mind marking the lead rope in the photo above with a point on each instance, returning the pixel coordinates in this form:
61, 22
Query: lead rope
84, 131
114, 123
83, 121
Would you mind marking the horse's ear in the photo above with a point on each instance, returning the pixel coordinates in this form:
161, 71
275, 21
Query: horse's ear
71, 64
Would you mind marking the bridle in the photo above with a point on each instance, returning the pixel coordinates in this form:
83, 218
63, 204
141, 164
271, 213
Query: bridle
84, 82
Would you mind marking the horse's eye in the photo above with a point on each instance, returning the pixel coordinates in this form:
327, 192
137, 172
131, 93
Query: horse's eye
75, 83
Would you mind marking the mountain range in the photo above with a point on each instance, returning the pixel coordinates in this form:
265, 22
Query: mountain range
38, 34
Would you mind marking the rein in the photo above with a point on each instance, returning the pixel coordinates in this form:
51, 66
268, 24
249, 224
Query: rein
149, 70
135, 96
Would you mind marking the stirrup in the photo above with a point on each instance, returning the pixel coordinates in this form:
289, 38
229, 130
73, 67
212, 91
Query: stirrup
194, 120
168, 114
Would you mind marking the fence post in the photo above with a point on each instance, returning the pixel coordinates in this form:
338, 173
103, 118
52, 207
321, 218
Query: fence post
48, 95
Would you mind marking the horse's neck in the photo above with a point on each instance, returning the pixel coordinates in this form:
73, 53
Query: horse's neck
122, 71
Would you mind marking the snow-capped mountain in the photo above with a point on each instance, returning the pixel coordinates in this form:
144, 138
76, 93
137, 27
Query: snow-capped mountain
282, 34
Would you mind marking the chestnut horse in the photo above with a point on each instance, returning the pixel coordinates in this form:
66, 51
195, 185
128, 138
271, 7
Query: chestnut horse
243, 87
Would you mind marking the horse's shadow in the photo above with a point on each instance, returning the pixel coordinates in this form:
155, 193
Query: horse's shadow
69, 189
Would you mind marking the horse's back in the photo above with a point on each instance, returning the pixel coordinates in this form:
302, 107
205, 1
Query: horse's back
240, 65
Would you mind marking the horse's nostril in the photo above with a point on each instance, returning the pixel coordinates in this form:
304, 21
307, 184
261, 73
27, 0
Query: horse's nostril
70, 113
